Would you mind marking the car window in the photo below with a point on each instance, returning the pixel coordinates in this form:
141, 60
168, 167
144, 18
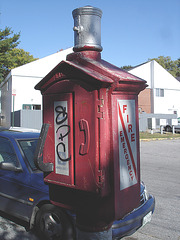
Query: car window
28, 147
7, 153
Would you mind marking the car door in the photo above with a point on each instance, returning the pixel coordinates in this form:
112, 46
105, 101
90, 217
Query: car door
14, 183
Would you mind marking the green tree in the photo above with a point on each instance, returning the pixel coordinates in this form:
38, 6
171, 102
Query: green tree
10, 56
171, 66
178, 65
19, 57
128, 67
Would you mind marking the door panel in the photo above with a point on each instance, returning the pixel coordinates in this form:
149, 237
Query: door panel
14, 186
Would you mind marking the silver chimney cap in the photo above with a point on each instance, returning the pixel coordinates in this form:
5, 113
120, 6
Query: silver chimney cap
87, 29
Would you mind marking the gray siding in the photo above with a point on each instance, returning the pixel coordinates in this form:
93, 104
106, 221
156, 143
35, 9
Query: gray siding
145, 120
28, 119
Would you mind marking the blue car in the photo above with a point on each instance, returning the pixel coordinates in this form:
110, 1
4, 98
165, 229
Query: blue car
23, 193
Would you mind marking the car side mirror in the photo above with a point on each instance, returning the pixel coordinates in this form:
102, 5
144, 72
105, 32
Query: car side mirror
10, 167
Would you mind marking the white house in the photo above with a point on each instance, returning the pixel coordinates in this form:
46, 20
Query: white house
162, 95
17, 90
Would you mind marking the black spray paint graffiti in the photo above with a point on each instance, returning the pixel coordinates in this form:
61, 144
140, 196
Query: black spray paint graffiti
63, 131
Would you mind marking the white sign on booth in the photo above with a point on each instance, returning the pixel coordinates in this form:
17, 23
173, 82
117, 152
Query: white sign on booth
127, 143
61, 130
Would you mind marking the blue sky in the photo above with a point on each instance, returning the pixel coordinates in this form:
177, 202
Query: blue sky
132, 30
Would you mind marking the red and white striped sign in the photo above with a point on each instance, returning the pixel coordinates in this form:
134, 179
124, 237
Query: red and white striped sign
127, 143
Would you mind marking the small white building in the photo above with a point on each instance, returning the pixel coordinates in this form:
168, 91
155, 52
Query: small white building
162, 96
17, 90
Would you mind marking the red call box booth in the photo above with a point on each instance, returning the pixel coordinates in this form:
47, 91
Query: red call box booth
91, 107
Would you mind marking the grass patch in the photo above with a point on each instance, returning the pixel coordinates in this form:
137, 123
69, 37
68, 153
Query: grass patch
146, 135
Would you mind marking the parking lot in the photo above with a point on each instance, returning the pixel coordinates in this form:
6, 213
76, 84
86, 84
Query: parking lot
160, 170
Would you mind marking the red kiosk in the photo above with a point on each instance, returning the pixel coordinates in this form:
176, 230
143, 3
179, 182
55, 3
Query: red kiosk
91, 153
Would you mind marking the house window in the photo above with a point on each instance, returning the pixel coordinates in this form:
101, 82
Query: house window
159, 92
27, 106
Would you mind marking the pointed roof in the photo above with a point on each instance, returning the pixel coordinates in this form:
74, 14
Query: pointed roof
88, 66
153, 71
39, 68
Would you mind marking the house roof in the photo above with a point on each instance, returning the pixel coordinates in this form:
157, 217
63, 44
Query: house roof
137, 66
155, 75
41, 67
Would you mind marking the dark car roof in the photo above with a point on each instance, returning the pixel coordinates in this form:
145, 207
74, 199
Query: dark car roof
18, 135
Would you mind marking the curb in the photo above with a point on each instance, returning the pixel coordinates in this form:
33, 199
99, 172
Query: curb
157, 139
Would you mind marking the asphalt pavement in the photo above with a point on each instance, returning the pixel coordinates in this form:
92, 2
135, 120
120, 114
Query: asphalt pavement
160, 170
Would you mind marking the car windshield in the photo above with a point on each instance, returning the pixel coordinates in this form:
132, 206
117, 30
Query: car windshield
28, 147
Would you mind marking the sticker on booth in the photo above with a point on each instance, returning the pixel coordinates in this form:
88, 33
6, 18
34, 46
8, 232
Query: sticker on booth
127, 143
61, 132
